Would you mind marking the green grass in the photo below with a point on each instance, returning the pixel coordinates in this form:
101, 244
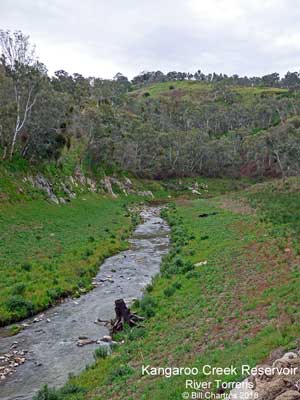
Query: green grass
279, 203
233, 310
161, 88
199, 88
49, 251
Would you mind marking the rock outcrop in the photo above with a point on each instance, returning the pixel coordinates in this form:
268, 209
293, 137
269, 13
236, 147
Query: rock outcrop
280, 381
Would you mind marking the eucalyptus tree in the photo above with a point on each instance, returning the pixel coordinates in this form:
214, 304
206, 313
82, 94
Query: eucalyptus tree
26, 72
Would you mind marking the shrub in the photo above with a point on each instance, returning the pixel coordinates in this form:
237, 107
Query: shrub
148, 305
54, 294
149, 288
87, 253
26, 266
136, 333
101, 352
19, 288
47, 394
71, 388
177, 285
169, 291
122, 370
20, 305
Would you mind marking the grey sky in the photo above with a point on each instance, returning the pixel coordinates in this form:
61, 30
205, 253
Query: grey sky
103, 37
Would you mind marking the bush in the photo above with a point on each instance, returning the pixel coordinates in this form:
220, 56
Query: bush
71, 388
122, 370
177, 285
47, 394
149, 288
20, 305
137, 333
54, 294
53, 394
19, 288
87, 253
101, 352
26, 266
169, 291
148, 305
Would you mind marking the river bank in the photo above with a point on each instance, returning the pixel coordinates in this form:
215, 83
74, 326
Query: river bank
50, 344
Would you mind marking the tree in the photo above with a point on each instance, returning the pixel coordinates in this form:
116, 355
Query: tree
271, 79
21, 65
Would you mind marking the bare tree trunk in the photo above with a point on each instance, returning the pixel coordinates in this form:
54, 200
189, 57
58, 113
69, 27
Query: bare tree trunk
280, 165
4, 153
19, 124
13, 144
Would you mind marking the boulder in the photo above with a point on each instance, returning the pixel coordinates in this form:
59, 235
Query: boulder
146, 193
107, 186
43, 184
277, 386
289, 395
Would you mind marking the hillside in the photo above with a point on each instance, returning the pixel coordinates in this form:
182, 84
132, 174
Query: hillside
155, 126
187, 128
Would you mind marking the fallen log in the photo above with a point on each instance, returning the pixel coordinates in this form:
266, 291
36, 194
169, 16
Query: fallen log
123, 316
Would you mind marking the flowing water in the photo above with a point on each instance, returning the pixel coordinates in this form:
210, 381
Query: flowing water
52, 351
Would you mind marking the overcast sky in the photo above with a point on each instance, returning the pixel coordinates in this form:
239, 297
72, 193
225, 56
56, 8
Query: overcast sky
103, 37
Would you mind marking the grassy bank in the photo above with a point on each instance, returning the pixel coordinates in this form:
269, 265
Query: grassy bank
236, 307
49, 251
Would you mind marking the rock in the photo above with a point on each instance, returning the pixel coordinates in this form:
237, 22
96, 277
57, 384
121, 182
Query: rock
84, 342
79, 176
107, 186
128, 182
200, 263
67, 191
106, 339
275, 386
38, 319
10, 361
43, 184
275, 354
62, 200
146, 193
194, 191
287, 360
289, 395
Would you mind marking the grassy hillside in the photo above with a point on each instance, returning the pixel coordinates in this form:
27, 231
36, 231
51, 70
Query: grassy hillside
235, 308
202, 89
